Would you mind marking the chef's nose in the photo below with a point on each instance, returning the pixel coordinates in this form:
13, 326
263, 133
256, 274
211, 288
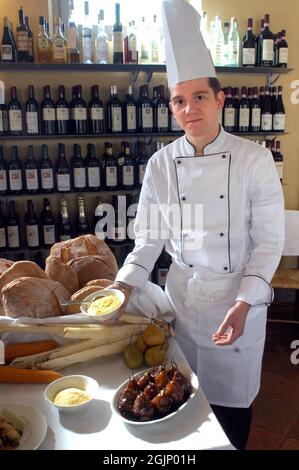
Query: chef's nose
190, 107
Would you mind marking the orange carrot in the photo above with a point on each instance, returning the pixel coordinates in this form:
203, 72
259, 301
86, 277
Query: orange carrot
12, 351
14, 375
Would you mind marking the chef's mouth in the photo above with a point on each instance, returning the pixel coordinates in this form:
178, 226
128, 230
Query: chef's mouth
194, 120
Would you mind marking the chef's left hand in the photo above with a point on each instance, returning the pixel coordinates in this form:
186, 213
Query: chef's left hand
233, 325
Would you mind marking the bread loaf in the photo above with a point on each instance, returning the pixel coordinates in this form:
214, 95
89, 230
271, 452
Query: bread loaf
5, 264
81, 295
99, 282
89, 268
60, 272
33, 297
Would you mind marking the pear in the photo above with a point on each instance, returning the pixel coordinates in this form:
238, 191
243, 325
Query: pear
133, 357
140, 343
153, 335
155, 355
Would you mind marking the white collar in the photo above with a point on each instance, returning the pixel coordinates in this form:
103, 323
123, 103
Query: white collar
213, 147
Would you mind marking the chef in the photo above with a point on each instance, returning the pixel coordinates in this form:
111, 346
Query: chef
225, 235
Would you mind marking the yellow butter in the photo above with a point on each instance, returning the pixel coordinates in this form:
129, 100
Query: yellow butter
71, 396
103, 305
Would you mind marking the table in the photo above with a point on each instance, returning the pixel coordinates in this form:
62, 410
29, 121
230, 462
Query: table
96, 427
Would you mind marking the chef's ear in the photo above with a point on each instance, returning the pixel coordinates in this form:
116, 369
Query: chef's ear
220, 98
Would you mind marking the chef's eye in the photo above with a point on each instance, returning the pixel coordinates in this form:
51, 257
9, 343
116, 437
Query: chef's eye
199, 97
178, 102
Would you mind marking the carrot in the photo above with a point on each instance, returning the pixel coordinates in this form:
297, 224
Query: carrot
14, 375
12, 351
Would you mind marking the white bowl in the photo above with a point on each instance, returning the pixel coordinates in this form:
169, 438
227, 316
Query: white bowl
188, 373
82, 382
103, 293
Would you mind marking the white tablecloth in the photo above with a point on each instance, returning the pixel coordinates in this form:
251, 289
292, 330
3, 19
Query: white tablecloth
96, 427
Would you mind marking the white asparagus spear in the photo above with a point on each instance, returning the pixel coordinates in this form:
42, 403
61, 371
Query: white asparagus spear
106, 333
131, 318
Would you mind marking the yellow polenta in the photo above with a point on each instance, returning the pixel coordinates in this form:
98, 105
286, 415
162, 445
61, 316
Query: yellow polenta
104, 305
71, 396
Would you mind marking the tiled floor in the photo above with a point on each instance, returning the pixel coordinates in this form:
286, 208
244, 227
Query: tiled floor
275, 422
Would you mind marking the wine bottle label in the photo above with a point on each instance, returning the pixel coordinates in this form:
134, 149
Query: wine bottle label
279, 122
147, 118
244, 117
142, 169
162, 117
15, 120
266, 124
6, 52
161, 276
2, 238
256, 117
174, 124
13, 236
62, 114
283, 55
229, 117
111, 176
79, 178
249, 56
279, 168
268, 50
93, 177
3, 180
49, 114
80, 114
59, 49
32, 122
32, 236
43, 44
97, 114
15, 180
128, 175
118, 41
31, 179
47, 180
49, 234
63, 183
116, 120
22, 41
131, 117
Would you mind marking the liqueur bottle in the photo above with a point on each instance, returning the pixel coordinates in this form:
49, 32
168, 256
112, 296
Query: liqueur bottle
43, 43
30, 41
82, 220
65, 226
22, 39
118, 55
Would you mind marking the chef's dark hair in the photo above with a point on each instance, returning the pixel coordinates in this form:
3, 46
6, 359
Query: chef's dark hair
215, 85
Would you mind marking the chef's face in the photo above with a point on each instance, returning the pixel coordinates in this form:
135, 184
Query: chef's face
196, 107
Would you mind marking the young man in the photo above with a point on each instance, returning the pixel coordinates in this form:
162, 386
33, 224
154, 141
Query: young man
228, 248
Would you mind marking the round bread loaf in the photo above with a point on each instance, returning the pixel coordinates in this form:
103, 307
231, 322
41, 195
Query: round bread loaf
89, 268
63, 273
81, 295
5, 264
99, 282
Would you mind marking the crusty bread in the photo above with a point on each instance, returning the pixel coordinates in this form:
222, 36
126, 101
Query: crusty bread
81, 295
99, 282
60, 272
89, 268
5, 264
33, 297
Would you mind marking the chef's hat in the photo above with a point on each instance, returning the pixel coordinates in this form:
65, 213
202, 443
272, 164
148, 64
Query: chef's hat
187, 56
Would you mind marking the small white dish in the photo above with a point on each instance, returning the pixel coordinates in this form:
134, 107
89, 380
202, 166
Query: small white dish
97, 295
82, 382
36, 426
188, 373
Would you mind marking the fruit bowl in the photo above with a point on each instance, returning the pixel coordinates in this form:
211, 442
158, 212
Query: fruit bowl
183, 368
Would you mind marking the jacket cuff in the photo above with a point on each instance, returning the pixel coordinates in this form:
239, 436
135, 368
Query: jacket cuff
255, 290
133, 274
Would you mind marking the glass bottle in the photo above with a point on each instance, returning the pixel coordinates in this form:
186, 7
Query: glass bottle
46, 171
233, 44
279, 113
109, 168
118, 55
22, 39
93, 169
87, 36
48, 114
31, 113
130, 112
44, 53
95, 112
32, 228
82, 220
15, 176
13, 227
145, 109
78, 169
14, 113
3, 237
8, 51
249, 46
30, 41
126, 167
72, 44
48, 225
63, 172
3, 173
62, 112
101, 45
114, 111
78, 111
267, 45
31, 172
65, 226
59, 44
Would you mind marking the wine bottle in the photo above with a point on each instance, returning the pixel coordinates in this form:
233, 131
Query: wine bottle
130, 112
8, 51
249, 46
229, 111
78, 169
15, 172
78, 111
279, 113
48, 225
22, 39
244, 112
126, 167
65, 226
109, 167
62, 113
278, 158
30, 41
63, 172
114, 112
82, 220
266, 120
118, 55
267, 45
48, 115
32, 229
282, 51
95, 112
3, 238
255, 121
3, 173
100, 220
13, 227
46, 171
145, 110
4, 125
31, 172
59, 44
161, 115
31, 113
43, 43
141, 162
14, 113
273, 97
262, 96
93, 169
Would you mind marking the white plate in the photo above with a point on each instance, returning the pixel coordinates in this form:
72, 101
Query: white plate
36, 425
185, 369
